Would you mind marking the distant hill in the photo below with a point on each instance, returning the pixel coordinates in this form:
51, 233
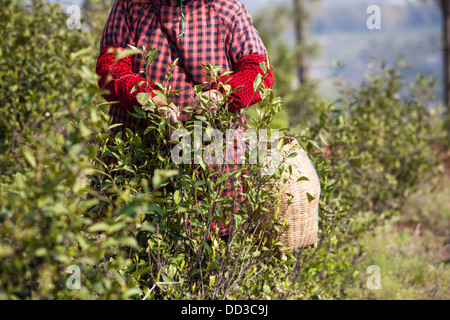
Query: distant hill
411, 29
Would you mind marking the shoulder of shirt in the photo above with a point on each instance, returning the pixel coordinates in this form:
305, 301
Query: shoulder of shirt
132, 3
229, 10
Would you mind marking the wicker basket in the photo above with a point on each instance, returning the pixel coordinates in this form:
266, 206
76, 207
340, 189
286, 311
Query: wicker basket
302, 212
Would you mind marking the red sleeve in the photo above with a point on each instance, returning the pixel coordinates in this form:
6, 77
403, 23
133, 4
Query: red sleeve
244, 74
118, 78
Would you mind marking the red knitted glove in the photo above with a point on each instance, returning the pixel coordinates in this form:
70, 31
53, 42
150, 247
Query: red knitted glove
244, 74
118, 78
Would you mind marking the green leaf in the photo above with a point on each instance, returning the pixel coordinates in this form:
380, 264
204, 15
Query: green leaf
40, 252
198, 89
151, 56
266, 289
177, 197
148, 227
76, 149
263, 66
6, 251
136, 86
161, 176
29, 156
143, 97
313, 143
99, 226
160, 94
107, 103
212, 281
227, 73
200, 183
115, 125
201, 118
159, 85
223, 178
257, 82
155, 208
129, 242
127, 52
292, 155
139, 110
323, 139
132, 293
130, 209
207, 247
310, 197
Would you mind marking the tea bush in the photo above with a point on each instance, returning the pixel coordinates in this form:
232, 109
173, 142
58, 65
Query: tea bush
378, 145
47, 93
124, 224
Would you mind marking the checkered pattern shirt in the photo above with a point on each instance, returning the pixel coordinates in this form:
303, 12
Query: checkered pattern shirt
217, 32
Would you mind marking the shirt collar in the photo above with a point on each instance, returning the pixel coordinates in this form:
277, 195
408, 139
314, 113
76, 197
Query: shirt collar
166, 2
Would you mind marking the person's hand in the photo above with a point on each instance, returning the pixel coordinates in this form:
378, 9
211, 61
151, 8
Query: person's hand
213, 96
172, 112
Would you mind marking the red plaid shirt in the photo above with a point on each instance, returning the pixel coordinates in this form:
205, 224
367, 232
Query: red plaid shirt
217, 32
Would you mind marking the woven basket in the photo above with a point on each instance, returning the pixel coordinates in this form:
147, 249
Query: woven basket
302, 212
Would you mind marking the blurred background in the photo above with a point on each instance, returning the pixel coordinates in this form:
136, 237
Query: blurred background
335, 32
317, 44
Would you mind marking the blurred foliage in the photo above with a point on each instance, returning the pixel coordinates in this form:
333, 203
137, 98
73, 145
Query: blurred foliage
47, 95
95, 13
411, 250
124, 224
40, 69
275, 27
393, 129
